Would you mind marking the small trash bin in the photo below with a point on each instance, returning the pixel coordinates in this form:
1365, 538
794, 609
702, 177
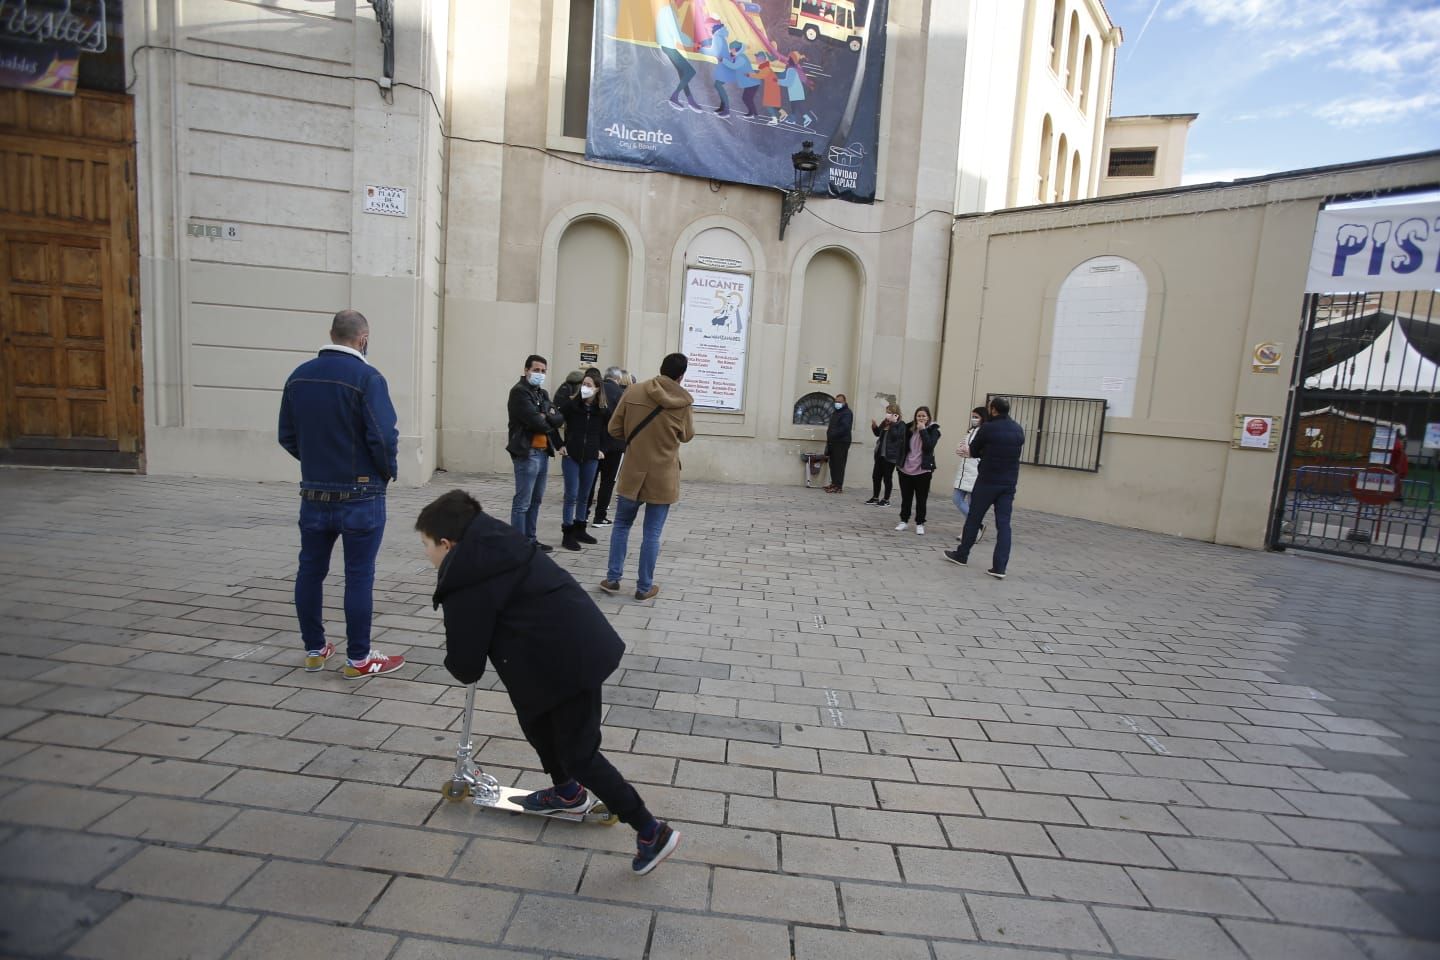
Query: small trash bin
813, 464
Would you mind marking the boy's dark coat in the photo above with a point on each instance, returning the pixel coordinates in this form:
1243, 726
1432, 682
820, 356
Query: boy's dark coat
505, 599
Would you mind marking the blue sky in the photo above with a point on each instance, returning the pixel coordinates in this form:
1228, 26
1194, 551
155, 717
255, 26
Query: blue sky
1283, 84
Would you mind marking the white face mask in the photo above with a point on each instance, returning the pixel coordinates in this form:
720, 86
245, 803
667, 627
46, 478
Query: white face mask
974, 421
587, 392
536, 379
838, 405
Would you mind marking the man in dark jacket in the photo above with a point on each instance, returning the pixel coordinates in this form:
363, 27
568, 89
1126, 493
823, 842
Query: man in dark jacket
997, 444
336, 418
604, 488
551, 647
531, 441
838, 436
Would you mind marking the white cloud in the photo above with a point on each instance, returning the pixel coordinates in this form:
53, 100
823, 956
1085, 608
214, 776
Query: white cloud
1362, 111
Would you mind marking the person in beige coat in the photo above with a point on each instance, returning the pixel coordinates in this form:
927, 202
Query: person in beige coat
653, 418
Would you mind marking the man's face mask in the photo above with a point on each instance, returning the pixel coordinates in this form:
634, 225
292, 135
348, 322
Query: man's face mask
536, 379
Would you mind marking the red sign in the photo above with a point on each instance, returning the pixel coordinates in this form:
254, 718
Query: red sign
1375, 486
1257, 426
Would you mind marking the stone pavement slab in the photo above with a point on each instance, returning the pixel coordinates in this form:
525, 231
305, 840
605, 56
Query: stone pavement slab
1134, 745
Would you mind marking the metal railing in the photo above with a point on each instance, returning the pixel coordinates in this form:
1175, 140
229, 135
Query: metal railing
1062, 432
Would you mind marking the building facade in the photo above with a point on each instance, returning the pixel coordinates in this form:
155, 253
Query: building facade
286, 164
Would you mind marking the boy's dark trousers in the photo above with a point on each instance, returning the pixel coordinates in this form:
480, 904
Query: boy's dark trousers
567, 739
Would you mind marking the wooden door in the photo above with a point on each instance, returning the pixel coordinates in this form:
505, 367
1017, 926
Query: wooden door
69, 336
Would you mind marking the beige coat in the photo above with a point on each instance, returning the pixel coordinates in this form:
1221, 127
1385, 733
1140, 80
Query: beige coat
650, 472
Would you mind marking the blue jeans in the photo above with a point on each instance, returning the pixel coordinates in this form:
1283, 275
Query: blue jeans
982, 498
359, 524
962, 501
579, 478
530, 473
625, 512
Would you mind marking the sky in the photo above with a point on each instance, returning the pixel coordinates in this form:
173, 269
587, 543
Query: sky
1283, 84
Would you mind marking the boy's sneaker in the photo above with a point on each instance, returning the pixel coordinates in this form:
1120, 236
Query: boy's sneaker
920, 529
610, 586
649, 855
603, 523
997, 574
883, 503
549, 801
315, 659
374, 665
648, 594
872, 501
901, 525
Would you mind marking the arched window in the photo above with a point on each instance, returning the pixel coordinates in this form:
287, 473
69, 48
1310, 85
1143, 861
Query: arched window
1042, 179
1075, 177
1072, 48
1057, 23
1099, 324
1085, 64
592, 281
1062, 153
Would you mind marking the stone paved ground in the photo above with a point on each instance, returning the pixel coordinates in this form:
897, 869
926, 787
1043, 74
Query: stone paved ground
1135, 746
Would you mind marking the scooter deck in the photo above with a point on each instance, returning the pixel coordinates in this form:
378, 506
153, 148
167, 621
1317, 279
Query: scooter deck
508, 795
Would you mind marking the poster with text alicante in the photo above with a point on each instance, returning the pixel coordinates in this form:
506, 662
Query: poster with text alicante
729, 89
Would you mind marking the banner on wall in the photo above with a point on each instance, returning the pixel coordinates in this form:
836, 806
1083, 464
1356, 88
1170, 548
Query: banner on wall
715, 319
729, 89
1376, 248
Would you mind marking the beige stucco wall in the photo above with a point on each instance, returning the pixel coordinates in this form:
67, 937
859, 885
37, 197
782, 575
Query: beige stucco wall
1225, 270
1166, 134
284, 156
509, 207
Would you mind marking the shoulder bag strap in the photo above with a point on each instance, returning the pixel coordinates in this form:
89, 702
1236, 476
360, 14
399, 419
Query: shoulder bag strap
642, 424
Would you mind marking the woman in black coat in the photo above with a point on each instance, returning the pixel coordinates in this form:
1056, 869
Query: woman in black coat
587, 419
916, 468
889, 449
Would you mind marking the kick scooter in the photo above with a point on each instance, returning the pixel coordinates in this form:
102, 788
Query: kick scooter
469, 780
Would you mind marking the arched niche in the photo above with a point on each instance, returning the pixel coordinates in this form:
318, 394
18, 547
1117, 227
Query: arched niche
592, 291
830, 316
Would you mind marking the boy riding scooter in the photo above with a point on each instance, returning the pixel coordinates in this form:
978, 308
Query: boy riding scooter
550, 645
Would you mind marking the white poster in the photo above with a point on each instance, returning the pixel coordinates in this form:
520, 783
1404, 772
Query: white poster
1432, 436
715, 324
1383, 247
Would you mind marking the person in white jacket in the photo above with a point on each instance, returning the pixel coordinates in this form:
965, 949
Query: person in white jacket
969, 468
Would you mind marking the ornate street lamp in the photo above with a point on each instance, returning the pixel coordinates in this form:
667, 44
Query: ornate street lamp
792, 201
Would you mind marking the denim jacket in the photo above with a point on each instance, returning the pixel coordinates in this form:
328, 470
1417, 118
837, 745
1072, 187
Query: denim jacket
336, 418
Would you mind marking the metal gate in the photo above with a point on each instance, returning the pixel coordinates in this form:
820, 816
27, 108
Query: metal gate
1359, 471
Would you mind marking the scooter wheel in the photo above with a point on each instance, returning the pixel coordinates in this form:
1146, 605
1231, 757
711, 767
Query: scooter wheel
454, 790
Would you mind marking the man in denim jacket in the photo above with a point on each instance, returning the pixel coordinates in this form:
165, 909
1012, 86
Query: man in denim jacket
336, 418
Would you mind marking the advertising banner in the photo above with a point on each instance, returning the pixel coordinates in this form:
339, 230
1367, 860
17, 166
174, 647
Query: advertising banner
715, 319
729, 89
1376, 248
33, 66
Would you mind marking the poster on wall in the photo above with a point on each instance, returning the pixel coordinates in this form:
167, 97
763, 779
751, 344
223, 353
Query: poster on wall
715, 327
729, 89
1374, 248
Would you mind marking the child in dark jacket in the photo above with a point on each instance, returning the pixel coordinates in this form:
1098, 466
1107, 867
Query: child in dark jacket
551, 646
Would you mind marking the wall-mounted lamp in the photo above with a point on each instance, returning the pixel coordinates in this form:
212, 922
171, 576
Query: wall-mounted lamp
385, 16
792, 201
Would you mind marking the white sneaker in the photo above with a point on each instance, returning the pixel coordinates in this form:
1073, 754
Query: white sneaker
901, 525
920, 529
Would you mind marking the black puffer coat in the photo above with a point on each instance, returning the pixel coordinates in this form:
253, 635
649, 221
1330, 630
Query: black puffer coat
506, 601
586, 427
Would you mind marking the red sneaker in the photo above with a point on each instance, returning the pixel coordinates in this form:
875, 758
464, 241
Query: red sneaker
315, 659
374, 665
